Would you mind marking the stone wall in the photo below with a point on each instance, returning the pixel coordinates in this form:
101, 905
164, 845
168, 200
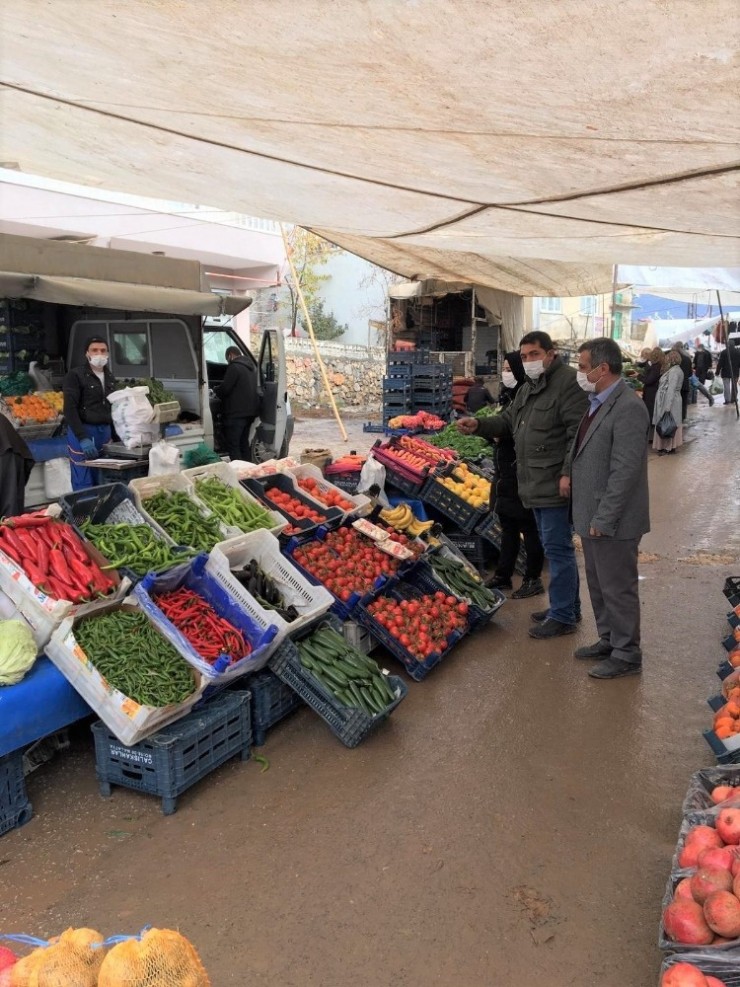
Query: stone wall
355, 374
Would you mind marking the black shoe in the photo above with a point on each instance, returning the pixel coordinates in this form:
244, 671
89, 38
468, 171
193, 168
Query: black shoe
540, 616
551, 628
529, 587
599, 650
499, 582
614, 668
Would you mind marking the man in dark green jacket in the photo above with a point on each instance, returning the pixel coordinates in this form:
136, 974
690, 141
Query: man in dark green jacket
543, 419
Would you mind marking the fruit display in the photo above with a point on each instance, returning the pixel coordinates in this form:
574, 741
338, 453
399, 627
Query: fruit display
705, 908
55, 399
296, 510
423, 625
422, 421
31, 409
467, 485
685, 974
402, 518
354, 679
54, 558
325, 494
346, 562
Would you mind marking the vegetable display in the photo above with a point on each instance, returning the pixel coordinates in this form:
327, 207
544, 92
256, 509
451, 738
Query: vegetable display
264, 590
352, 678
134, 658
466, 446
17, 651
422, 420
183, 520
53, 557
231, 507
135, 546
296, 510
157, 392
345, 562
423, 625
210, 635
327, 497
461, 581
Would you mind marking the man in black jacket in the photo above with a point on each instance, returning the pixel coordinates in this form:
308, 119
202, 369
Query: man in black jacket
239, 396
702, 363
687, 371
87, 412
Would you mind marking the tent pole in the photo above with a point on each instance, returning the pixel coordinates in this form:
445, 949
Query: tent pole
473, 327
309, 326
613, 321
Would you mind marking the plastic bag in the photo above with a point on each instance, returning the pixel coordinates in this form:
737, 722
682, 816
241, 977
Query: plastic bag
162, 958
716, 387
133, 416
164, 458
57, 478
372, 477
666, 427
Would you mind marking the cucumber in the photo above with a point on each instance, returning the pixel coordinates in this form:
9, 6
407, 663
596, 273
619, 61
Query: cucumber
372, 702
386, 687
308, 662
351, 671
354, 691
379, 694
335, 675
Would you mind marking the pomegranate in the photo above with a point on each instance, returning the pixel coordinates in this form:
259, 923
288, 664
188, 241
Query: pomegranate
728, 825
722, 914
707, 880
717, 856
684, 922
683, 975
713, 982
706, 835
721, 792
683, 890
736, 885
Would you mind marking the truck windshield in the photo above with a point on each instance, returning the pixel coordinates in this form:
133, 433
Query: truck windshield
215, 343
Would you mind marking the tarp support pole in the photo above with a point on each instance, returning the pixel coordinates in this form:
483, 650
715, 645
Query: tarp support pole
473, 327
309, 326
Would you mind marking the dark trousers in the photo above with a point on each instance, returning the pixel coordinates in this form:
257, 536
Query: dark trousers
236, 437
512, 531
12, 483
684, 404
611, 572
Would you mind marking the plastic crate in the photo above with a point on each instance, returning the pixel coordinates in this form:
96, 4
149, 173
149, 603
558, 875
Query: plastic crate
326, 484
732, 586
428, 581
171, 761
466, 517
406, 480
698, 795
490, 530
405, 357
285, 482
418, 670
230, 601
298, 590
667, 945
721, 753
272, 701
346, 480
147, 487
359, 637
373, 427
229, 477
349, 724
725, 967
392, 385
15, 809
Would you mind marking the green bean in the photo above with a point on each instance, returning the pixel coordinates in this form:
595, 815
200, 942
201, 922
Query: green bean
183, 520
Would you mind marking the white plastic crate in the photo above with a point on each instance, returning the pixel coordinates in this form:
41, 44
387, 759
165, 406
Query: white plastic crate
310, 601
363, 504
129, 721
147, 486
227, 475
359, 637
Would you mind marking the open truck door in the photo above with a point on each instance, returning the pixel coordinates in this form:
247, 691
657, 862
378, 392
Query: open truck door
275, 427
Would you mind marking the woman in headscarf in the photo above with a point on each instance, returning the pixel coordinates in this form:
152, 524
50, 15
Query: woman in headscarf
16, 463
516, 520
668, 398
651, 378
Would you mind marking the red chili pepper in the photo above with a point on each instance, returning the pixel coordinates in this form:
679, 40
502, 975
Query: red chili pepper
71, 540
42, 555
59, 565
27, 521
34, 573
12, 539
208, 633
7, 547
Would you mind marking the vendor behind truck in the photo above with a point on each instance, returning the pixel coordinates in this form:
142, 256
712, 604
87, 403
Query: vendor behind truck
87, 412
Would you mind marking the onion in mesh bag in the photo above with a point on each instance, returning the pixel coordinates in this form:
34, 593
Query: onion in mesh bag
72, 960
163, 958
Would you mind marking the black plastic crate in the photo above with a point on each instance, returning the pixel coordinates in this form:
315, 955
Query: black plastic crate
490, 530
348, 724
732, 586
405, 357
465, 516
428, 581
272, 701
348, 480
260, 487
473, 547
169, 762
393, 385
15, 809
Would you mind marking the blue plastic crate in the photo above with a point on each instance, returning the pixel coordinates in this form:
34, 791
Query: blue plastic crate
172, 760
719, 750
373, 427
15, 809
348, 723
272, 701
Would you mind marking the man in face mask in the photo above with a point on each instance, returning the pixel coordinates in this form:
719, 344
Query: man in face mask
610, 508
87, 412
543, 420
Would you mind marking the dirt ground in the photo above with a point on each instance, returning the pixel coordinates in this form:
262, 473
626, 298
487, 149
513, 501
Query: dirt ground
511, 826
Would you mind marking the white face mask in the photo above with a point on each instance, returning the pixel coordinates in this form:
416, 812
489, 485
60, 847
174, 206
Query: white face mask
589, 386
534, 369
508, 379
98, 362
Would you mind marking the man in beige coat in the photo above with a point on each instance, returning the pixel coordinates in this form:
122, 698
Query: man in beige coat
609, 504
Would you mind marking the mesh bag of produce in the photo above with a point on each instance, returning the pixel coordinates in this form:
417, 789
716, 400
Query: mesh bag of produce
161, 958
72, 960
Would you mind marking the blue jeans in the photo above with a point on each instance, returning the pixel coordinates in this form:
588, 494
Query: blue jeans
556, 535
82, 475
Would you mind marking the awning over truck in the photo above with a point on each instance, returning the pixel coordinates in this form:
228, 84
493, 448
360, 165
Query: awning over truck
118, 295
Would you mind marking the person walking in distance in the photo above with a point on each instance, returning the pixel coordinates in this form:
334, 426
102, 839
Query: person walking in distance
239, 395
543, 420
702, 363
668, 398
728, 368
517, 521
87, 412
686, 368
610, 506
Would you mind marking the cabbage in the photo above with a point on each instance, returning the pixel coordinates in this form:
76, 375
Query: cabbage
17, 651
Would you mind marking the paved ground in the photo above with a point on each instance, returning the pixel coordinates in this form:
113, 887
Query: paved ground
511, 827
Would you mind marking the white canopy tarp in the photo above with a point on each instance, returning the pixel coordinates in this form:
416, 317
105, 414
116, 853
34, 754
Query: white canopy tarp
525, 146
703, 286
